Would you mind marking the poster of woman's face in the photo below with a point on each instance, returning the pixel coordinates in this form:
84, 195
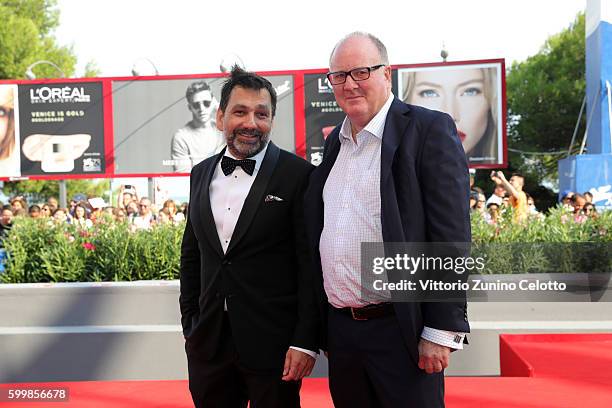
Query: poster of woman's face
9, 132
471, 94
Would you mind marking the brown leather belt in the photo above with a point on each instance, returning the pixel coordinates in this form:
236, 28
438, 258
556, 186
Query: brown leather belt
368, 312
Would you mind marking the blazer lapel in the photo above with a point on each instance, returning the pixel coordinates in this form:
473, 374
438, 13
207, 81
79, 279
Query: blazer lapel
208, 219
255, 196
395, 127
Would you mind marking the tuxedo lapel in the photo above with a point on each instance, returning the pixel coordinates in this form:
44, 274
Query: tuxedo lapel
208, 220
256, 195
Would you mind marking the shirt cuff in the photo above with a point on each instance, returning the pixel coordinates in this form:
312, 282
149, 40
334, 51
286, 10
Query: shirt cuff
450, 339
309, 352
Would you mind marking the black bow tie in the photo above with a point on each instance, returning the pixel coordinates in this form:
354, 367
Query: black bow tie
228, 165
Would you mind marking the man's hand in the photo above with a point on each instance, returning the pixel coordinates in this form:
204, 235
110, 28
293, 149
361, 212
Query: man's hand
433, 358
497, 177
297, 365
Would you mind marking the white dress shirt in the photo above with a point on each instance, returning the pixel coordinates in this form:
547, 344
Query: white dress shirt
227, 195
352, 215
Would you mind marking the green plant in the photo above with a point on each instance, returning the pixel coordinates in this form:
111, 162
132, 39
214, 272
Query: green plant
42, 251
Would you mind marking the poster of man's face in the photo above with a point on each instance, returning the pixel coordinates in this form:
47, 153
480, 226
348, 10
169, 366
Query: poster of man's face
471, 94
200, 102
168, 125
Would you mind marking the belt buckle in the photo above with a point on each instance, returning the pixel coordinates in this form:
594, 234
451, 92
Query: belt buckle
356, 317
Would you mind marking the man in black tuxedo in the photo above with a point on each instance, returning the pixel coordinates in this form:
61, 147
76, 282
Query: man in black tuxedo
247, 302
391, 172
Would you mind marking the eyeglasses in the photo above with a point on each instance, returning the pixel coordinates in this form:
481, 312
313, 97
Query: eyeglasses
196, 104
358, 74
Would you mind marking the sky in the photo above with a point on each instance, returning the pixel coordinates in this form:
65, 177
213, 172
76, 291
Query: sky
194, 36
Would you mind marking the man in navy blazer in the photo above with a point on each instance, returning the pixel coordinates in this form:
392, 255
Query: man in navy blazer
391, 172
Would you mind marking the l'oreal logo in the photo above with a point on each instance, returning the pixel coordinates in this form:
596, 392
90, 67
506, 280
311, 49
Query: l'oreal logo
47, 94
324, 86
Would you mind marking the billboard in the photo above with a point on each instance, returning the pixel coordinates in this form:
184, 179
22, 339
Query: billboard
322, 114
9, 131
472, 94
164, 125
173, 120
61, 129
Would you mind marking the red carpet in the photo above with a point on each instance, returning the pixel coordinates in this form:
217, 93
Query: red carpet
539, 371
556, 355
170, 394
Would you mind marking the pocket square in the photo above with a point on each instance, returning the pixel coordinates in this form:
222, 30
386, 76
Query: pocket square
270, 197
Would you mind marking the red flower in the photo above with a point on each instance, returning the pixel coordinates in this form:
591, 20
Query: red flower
89, 246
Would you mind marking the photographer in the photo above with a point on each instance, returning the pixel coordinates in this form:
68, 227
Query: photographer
127, 194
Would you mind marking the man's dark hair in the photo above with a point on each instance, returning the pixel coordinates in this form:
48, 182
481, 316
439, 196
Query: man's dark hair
196, 87
33, 208
7, 207
247, 80
519, 175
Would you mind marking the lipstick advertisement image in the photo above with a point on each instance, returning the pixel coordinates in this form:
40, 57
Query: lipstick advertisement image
470, 94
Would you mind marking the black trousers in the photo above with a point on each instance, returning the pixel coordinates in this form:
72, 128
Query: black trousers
370, 366
224, 383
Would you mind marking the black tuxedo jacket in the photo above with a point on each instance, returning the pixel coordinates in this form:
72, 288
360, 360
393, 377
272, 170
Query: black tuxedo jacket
264, 276
424, 188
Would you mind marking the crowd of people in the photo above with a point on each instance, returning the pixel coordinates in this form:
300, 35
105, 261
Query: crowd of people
510, 194
139, 213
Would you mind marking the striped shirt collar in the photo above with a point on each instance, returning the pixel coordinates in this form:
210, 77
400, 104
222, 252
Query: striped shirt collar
375, 127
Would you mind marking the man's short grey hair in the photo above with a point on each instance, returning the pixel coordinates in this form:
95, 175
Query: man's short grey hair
382, 50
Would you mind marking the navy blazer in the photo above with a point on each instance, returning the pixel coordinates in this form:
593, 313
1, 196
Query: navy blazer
424, 188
